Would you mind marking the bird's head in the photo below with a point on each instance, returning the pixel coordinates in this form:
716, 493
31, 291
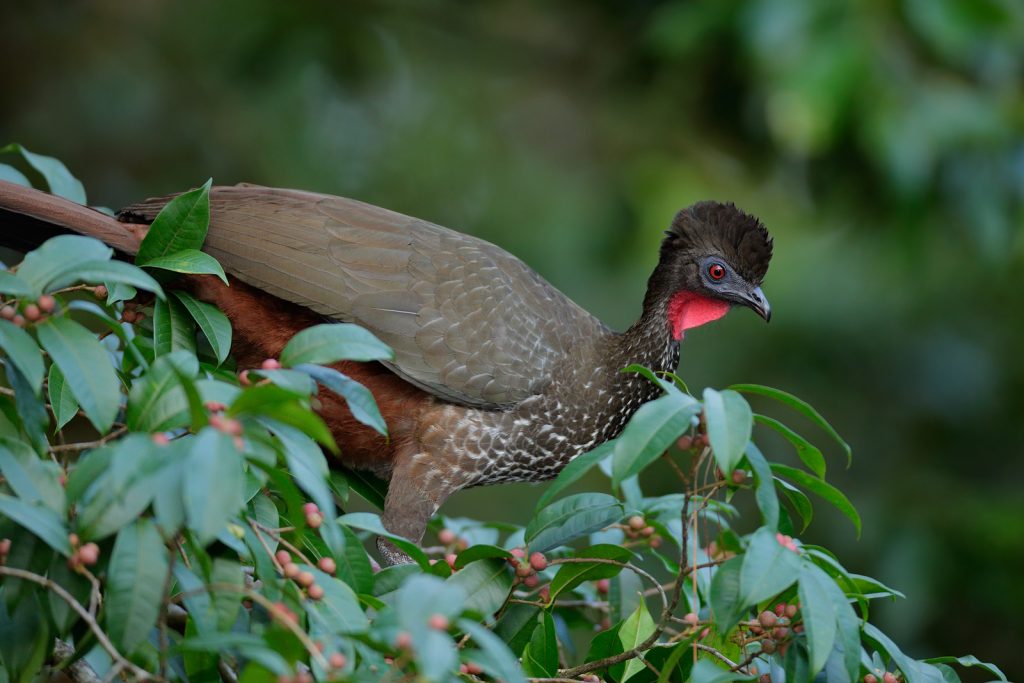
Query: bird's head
714, 257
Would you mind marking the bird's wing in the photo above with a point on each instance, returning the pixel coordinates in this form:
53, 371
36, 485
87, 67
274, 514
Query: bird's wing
468, 321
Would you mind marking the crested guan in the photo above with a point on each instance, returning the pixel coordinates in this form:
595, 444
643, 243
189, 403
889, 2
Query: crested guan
497, 375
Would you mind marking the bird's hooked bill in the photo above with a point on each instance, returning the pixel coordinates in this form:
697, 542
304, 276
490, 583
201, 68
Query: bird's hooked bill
759, 303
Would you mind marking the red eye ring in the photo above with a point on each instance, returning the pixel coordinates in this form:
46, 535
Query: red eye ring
716, 271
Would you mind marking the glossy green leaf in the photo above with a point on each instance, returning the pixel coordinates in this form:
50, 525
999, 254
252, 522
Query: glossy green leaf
799, 406
62, 401
157, 400
86, 367
40, 521
822, 489
332, 342
369, 521
58, 256
339, 610
59, 180
486, 583
31, 410
13, 285
108, 272
173, 328
801, 503
353, 563
35, 481
25, 639
970, 661
724, 596
22, 351
190, 261
573, 574
808, 453
215, 325
768, 568
819, 614
633, 632
574, 471
848, 626
226, 603
729, 424
180, 225
651, 430
214, 483
704, 671
540, 658
764, 486
358, 398
570, 518
496, 658
480, 551
135, 584
12, 175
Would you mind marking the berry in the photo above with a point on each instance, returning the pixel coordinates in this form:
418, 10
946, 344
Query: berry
73, 539
5, 546
655, 541
531, 581
310, 508
271, 364
291, 570
31, 312
7, 312
283, 613
313, 521
19, 320
780, 633
461, 544
636, 522
327, 565
337, 661
100, 292
603, 586
283, 557
538, 561
47, 303
305, 579
691, 618
518, 552
765, 678
545, 593
647, 531
888, 677
303, 677
315, 592
791, 610
685, 442
474, 669
89, 554
524, 570
160, 439
450, 559
780, 609
590, 678
871, 678
767, 619
243, 378
768, 646
438, 622
705, 633
446, 536
738, 476
215, 406
403, 641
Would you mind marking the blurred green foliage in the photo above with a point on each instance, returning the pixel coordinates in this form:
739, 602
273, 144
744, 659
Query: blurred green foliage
881, 142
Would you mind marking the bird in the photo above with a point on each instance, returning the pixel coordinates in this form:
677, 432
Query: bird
497, 376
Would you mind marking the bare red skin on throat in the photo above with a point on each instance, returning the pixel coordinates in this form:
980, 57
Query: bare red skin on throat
687, 310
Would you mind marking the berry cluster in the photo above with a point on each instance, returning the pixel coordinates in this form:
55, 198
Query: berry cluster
34, 312
82, 555
313, 516
887, 677
526, 568
787, 542
774, 628
303, 579
636, 527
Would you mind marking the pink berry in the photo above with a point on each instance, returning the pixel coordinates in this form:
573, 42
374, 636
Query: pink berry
403, 641
31, 312
524, 570
7, 312
791, 610
438, 622
327, 565
160, 439
531, 581
538, 561
738, 476
446, 536
243, 378
18, 320
291, 570
315, 592
89, 554
100, 292
888, 677
283, 557
5, 546
305, 579
870, 678
603, 586
310, 508
518, 552
337, 661
767, 619
691, 618
780, 609
636, 522
271, 364
313, 521
47, 303
450, 559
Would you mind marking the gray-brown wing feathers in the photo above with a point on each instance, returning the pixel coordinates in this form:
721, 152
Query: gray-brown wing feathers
468, 321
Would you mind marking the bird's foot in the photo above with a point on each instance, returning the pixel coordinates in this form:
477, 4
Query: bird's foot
390, 553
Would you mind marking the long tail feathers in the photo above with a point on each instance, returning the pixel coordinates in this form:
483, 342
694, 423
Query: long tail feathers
29, 217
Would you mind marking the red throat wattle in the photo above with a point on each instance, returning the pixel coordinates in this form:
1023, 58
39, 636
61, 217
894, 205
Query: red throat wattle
687, 310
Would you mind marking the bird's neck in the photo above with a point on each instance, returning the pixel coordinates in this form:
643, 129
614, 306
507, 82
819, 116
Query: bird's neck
653, 340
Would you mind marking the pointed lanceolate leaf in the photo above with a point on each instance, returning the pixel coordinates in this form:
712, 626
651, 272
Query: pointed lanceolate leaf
764, 486
540, 658
214, 324
62, 401
332, 342
107, 272
22, 351
768, 568
39, 521
651, 430
135, 584
729, 423
180, 225
496, 659
570, 518
13, 285
821, 488
190, 261
214, 483
36, 481
809, 454
819, 614
633, 632
575, 470
573, 574
86, 367
358, 398
486, 584
173, 328
59, 256
59, 180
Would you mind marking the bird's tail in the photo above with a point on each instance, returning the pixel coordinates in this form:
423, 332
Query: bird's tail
29, 217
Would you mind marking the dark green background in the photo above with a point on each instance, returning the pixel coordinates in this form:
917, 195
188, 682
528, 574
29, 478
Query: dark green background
881, 142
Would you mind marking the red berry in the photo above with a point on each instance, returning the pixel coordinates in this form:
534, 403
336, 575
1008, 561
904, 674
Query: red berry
271, 364
768, 646
47, 303
888, 677
310, 508
463, 669
315, 592
738, 476
524, 570
314, 520
531, 581
7, 312
603, 586
870, 678
31, 312
473, 669
691, 618
5, 546
685, 442
19, 320
518, 552
327, 565
655, 541
283, 557
89, 554
545, 593
636, 522
791, 611
538, 561
337, 661
438, 622
100, 292
291, 570
446, 536
647, 531
450, 559
780, 633
767, 619
305, 579
780, 609
403, 640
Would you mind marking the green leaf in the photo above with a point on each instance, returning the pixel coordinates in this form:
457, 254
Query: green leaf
215, 325
294, 381
497, 660
13, 175
157, 400
332, 342
63, 402
417, 601
190, 261
354, 566
58, 256
214, 483
540, 658
969, 660
873, 588
180, 225
704, 671
914, 671
338, 611
725, 594
799, 406
848, 630
818, 612
764, 486
651, 430
573, 574
31, 410
358, 398
571, 517
480, 551
86, 367
135, 584
516, 624
23, 352
800, 501
487, 584
59, 180
172, 328
729, 423
822, 489
225, 602
369, 521
633, 632
13, 285
575, 470
809, 454
34, 481
25, 639
107, 272
768, 568
39, 521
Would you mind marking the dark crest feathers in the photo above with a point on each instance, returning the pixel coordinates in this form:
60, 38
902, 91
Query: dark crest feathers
715, 227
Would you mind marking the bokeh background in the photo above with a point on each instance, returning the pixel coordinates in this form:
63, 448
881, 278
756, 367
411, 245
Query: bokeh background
881, 142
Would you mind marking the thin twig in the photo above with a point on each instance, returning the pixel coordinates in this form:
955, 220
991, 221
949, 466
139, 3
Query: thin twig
84, 445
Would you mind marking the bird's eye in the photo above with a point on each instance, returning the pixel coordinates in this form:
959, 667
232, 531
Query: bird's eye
716, 271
